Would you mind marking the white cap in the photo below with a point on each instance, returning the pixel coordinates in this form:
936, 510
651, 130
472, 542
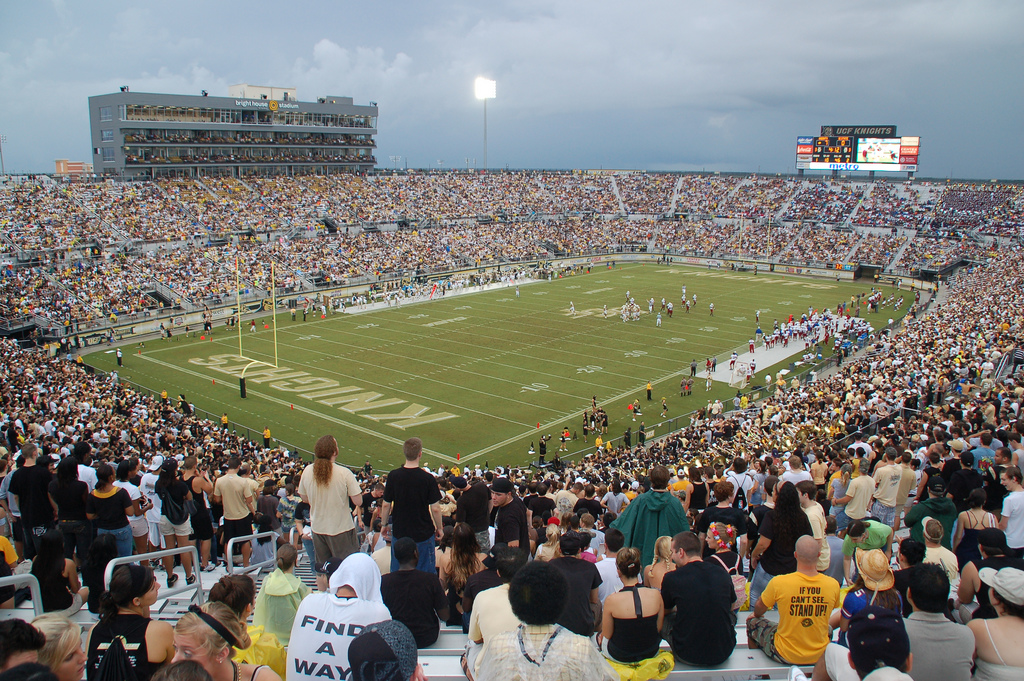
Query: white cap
155, 463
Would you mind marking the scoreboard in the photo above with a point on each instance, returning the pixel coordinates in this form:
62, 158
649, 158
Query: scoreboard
858, 152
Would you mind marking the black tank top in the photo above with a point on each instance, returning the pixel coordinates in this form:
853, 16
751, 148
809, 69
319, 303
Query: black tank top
197, 494
636, 638
133, 628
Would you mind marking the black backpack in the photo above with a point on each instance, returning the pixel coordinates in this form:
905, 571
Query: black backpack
740, 501
176, 513
115, 665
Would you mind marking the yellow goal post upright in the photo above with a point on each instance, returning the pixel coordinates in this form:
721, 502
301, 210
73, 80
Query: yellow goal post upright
273, 316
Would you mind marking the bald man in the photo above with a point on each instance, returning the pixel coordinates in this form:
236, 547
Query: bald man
805, 599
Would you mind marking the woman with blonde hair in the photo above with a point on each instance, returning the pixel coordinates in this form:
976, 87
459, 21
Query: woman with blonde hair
662, 564
458, 564
550, 549
208, 635
62, 652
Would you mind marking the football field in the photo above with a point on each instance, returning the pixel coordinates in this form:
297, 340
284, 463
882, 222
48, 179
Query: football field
474, 374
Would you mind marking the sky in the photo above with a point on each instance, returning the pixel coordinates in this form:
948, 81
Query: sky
654, 85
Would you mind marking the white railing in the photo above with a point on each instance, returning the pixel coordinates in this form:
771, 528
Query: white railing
18, 581
229, 562
144, 558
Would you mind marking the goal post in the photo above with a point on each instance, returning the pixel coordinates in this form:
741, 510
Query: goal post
738, 377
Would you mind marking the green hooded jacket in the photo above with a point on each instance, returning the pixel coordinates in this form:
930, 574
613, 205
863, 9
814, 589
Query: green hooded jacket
942, 509
277, 602
649, 516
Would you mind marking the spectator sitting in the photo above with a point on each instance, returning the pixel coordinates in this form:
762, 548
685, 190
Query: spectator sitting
610, 582
186, 670
699, 596
582, 608
63, 650
944, 648
632, 619
655, 573
911, 555
878, 640
540, 648
492, 613
998, 652
210, 635
936, 553
353, 601
414, 597
996, 554
835, 545
20, 643
873, 586
806, 598
483, 580
279, 597
385, 651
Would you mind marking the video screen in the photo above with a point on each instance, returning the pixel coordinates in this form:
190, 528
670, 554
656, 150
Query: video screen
878, 150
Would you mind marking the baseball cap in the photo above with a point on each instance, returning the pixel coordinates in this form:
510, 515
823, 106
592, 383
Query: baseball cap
155, 463
993, 539
329, 566
1008, 583
502, 486
967, 458
385, 651
936, 485
458, 482
957, 445
570, 543
877, 639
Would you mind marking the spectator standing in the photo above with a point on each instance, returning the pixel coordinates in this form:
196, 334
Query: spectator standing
510, 526
1012, 521
582, 607
653, 514
82, 452
474, 508
414, 598
126, 470
963, 481
606, 564
418, 513
969, 523
235, 494
816, 516
539, 647
108, 507
30, 486
887, 480
331, 492
67, 494
198, 483
937, 506
698, 598
175, 520
805, 598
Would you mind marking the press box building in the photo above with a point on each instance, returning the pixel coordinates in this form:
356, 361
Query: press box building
254, 131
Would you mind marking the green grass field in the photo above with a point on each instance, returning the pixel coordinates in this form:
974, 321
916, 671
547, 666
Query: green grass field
474, 374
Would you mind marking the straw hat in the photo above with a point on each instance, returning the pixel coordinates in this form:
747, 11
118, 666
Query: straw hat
874, 570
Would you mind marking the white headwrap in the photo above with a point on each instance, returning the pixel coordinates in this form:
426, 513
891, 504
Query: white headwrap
360, 572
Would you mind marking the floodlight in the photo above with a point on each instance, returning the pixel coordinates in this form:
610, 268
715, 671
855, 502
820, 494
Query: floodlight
485, 88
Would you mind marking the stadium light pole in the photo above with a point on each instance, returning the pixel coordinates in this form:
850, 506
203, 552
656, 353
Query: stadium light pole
3, 140
485, 89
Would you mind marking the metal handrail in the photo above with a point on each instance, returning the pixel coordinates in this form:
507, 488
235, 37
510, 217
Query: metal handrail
29, 580
229, 552
156, 555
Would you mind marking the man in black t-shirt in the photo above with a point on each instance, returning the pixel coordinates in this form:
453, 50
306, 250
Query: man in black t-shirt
371, 500
414, 598
698, 599
588, 504
583, 606
30, 484
510, 526
418, 514
474, 508
539, 505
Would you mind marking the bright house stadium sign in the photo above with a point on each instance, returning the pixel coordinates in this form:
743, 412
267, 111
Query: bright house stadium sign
268, 104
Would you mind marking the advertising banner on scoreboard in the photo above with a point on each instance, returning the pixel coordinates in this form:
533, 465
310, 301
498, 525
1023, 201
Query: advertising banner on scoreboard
864, 167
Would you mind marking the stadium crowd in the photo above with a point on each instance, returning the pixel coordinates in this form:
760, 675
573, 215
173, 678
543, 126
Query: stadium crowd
88, 264
805, 491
